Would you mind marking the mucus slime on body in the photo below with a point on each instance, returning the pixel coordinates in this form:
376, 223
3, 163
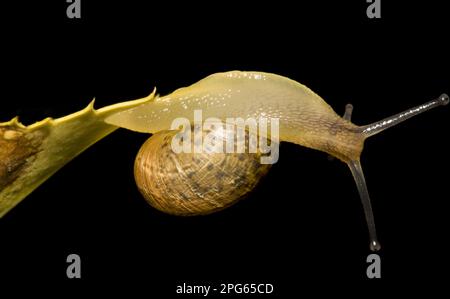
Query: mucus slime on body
192, 184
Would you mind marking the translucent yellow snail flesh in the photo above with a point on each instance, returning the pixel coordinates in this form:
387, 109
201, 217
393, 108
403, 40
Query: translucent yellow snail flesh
304, 119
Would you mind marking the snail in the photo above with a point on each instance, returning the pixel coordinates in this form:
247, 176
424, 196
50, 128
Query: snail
304, 119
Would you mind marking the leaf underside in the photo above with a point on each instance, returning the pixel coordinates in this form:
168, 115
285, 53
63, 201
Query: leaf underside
29, 155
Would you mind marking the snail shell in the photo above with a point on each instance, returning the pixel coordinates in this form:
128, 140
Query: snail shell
194, 183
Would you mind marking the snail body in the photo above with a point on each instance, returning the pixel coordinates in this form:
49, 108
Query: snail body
304, 118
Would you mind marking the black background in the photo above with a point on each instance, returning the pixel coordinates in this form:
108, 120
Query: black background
304, 224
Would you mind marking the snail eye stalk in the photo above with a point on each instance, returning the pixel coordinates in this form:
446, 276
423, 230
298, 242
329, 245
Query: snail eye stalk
358, 175
379, 126
355, 165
